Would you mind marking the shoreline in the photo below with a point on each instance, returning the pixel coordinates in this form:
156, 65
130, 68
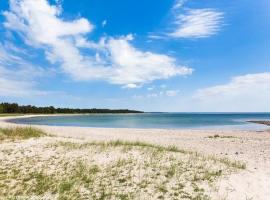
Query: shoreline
250, 147
181, 137
262, 125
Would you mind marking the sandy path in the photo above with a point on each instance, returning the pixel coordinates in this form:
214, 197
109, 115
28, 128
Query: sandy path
249, 146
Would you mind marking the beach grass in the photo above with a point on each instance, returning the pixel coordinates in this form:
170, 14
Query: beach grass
130, 144
68, 169
20, 133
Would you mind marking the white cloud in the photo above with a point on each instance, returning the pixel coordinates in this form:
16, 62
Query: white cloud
10, 86
19, 81
131, 86
163, 86
249, 92
134, 66
39, 21
104, 23
163, 94
178, 4
156, 37
151, 88
197, 23
152, 95
19, 77
114, 60
172, 93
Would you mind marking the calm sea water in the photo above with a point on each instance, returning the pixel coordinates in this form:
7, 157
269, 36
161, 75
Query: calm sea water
155, 120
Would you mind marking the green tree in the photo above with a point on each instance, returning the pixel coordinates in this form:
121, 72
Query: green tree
1, 108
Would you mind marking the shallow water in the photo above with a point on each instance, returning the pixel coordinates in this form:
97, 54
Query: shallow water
155, 120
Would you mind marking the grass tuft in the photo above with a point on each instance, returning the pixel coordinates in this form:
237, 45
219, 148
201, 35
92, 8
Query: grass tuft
159, 148
20, 133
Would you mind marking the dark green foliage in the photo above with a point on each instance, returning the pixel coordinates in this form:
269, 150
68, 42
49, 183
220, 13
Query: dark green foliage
1, 108
15, 108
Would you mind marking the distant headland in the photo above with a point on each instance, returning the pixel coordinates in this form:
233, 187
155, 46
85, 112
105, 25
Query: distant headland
264, 122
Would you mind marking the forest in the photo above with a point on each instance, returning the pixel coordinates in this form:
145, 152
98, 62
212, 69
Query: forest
6, 108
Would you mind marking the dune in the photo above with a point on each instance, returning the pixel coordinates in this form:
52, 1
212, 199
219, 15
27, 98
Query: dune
138, 163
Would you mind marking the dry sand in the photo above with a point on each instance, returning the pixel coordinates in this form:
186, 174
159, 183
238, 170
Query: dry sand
251, 147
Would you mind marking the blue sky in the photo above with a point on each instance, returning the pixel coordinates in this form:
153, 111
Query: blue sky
182, 55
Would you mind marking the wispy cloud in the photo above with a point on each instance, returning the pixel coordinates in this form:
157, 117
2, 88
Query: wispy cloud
178, 4
12, 86
17, 75
114, 60
153, 92
190, 23
197, 23
249, 92
19, 82
172, 93
104, 23
131, 86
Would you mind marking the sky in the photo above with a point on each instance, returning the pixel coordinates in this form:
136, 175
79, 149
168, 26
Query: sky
171, 56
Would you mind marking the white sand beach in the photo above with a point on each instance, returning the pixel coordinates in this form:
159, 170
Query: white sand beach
250, 147
134, 100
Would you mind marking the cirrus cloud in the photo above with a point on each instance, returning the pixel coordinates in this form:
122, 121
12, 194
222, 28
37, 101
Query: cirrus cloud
197, 23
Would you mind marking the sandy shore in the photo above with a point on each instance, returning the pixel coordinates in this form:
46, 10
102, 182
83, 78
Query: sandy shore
250, 147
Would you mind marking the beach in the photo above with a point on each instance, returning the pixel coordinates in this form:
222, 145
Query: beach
134, 100
249, 147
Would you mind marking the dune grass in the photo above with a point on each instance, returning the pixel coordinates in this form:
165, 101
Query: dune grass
10, 115
130, 144
110, 170
20, 133
69, 169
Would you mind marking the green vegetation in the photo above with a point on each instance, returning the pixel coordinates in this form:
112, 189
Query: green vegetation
66, 169
17, 109
110, 170
158, 148
20, 133
1, 108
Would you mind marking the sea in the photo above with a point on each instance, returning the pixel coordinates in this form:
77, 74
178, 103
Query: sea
155, 120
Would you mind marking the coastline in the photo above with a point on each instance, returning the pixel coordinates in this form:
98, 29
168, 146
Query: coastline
159, 136
250, 147
250, 125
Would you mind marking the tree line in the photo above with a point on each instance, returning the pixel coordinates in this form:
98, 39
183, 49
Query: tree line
29, 109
